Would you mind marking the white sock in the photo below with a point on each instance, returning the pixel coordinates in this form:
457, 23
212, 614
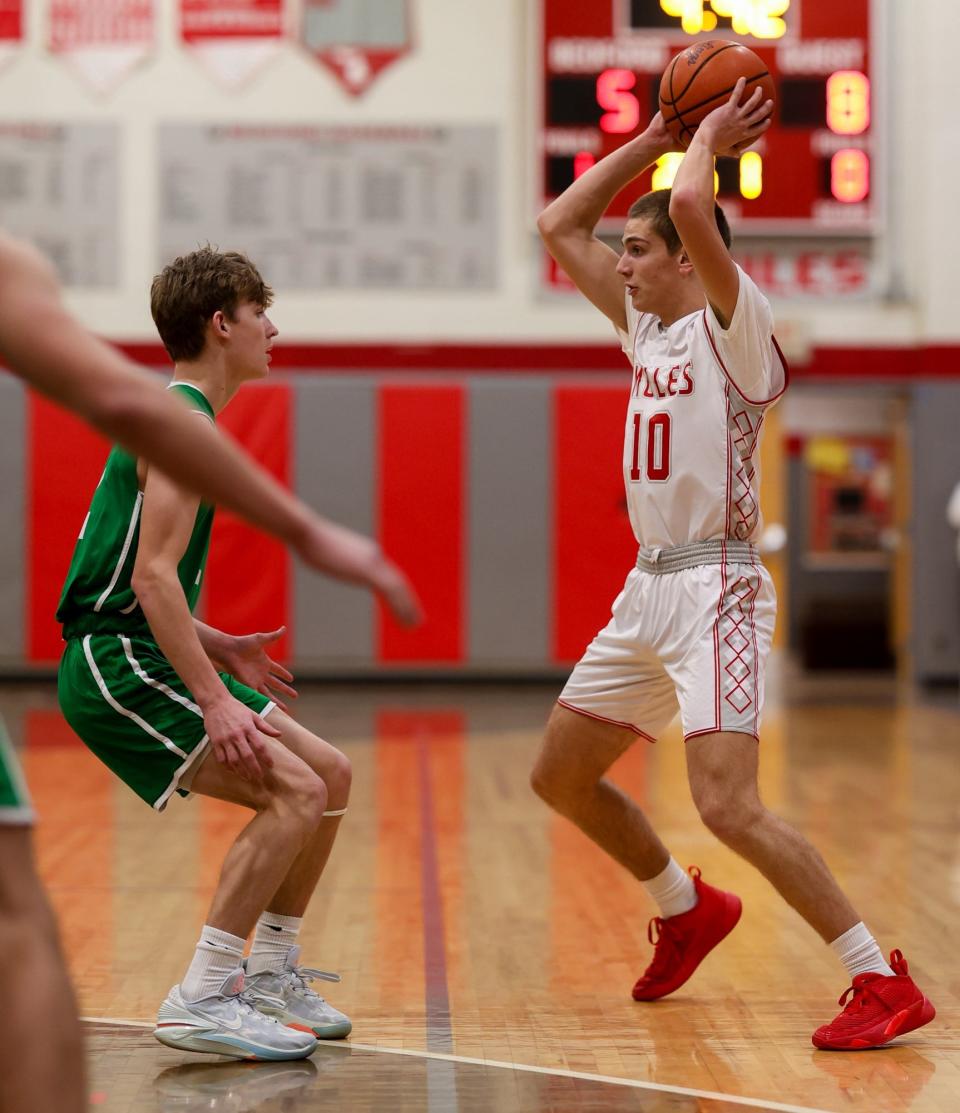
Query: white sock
217, 955
859, 952
274, 937
673, 890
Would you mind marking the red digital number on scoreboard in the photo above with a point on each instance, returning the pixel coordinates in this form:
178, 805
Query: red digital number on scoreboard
811, 172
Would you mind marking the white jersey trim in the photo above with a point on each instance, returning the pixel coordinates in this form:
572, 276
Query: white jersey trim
128, 540
190, 386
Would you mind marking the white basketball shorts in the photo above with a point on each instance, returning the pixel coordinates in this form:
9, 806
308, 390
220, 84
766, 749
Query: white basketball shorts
696, 640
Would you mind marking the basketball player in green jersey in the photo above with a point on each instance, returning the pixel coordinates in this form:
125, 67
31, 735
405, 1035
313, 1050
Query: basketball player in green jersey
170, 704
43, 344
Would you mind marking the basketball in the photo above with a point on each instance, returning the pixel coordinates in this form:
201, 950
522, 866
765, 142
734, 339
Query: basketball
701, 78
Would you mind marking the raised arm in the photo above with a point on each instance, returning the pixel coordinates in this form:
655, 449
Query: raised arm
729, 129
43, 344
567, 224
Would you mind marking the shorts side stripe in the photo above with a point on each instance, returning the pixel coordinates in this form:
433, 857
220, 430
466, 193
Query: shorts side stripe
756, 652
201, 748
22, 812
16, 817
132, 715
157, 684
604, 719
717, 681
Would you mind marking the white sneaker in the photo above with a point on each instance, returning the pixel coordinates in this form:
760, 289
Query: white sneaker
289, 998
227, 1023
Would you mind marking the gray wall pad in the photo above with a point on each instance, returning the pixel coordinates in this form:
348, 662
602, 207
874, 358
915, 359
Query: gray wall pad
935, 577
336, 454
509, 523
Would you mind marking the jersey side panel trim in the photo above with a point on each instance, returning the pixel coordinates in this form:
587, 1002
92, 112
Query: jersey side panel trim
127, 542
723, 367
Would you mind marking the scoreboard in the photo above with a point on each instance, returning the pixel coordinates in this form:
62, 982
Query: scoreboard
813, 172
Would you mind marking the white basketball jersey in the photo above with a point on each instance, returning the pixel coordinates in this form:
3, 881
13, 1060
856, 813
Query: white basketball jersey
697, 402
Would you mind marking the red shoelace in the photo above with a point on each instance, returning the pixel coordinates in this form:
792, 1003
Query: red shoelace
664, 937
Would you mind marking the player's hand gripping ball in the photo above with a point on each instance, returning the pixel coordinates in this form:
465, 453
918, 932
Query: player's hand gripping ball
702, 78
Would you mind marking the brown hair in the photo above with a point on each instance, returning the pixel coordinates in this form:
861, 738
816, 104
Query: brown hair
655, 207
188, 291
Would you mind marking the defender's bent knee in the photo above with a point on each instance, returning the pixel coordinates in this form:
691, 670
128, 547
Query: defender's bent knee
304, 797
338, 777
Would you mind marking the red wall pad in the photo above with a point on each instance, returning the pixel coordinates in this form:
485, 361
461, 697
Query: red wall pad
248, 575
65, 463
593, 546
421, 470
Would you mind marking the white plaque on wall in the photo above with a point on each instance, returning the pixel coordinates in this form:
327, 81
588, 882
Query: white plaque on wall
59, 189
351, 207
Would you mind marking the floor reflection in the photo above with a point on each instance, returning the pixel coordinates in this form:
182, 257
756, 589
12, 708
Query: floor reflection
345, 1078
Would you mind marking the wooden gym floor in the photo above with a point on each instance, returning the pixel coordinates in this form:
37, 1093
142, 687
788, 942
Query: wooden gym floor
487, 949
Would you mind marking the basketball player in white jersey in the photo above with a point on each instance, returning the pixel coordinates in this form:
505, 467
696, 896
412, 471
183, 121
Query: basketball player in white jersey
692, 628
41, 1054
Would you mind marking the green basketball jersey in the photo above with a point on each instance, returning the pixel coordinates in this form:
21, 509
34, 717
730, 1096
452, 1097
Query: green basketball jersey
97, 596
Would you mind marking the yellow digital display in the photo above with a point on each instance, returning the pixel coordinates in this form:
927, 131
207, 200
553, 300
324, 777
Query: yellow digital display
751, 175
666, 170
848, 102
761, 19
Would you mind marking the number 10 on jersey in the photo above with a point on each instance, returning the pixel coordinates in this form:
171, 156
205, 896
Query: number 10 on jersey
656, 432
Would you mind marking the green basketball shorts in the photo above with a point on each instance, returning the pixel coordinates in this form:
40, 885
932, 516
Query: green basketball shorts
129, 706
15, 806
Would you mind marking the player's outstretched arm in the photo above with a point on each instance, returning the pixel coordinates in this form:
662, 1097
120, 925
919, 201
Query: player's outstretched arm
728, 130
567, 224
349, 556
43, 344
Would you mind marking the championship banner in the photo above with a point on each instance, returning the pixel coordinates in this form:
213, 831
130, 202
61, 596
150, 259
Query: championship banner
356, 39
11, 29
102, 39
232, 38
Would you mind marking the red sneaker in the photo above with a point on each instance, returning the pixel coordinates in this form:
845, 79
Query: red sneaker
881, 1008
682, 942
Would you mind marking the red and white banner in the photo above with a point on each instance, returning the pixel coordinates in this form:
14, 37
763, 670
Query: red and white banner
357, 39
102, 39
11, 28
232, 38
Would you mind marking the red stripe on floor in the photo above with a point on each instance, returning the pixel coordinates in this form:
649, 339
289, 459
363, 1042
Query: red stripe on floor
421, 443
